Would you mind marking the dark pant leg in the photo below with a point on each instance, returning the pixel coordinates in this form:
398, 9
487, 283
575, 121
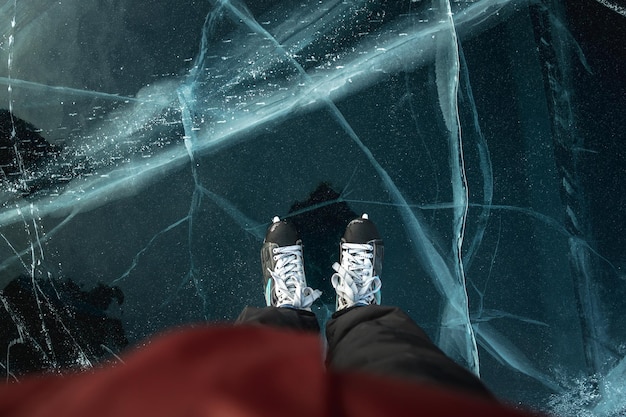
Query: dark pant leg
282, 317
384, 340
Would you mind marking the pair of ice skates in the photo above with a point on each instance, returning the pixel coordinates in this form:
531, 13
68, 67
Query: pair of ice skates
357, 274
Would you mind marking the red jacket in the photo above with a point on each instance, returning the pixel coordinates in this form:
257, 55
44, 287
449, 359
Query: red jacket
232, 371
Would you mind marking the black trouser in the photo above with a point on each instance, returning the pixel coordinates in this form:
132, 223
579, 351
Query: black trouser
375, 339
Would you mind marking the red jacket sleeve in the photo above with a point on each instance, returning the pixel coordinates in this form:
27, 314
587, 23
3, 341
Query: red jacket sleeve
232, 371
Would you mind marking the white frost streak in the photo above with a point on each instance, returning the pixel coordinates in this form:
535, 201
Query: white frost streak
613, 6
456, 332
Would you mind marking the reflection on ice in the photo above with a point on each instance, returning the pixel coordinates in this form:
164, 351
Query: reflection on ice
407, 108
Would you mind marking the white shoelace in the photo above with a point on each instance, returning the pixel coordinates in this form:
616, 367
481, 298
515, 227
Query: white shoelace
289, 279
354, 280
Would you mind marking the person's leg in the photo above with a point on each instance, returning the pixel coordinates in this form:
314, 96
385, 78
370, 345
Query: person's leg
365, 336
384, 340
287, 295
283, 317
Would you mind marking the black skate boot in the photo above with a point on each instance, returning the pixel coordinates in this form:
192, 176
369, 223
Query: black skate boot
283, 268
357, 277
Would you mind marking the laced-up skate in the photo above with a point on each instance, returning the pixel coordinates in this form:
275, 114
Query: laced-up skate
357, 277
283, 268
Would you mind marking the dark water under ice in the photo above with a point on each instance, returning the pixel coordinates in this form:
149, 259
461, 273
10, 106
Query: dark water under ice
145, 146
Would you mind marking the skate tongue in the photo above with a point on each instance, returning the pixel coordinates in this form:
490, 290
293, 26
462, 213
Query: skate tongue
281, 233
361, 230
